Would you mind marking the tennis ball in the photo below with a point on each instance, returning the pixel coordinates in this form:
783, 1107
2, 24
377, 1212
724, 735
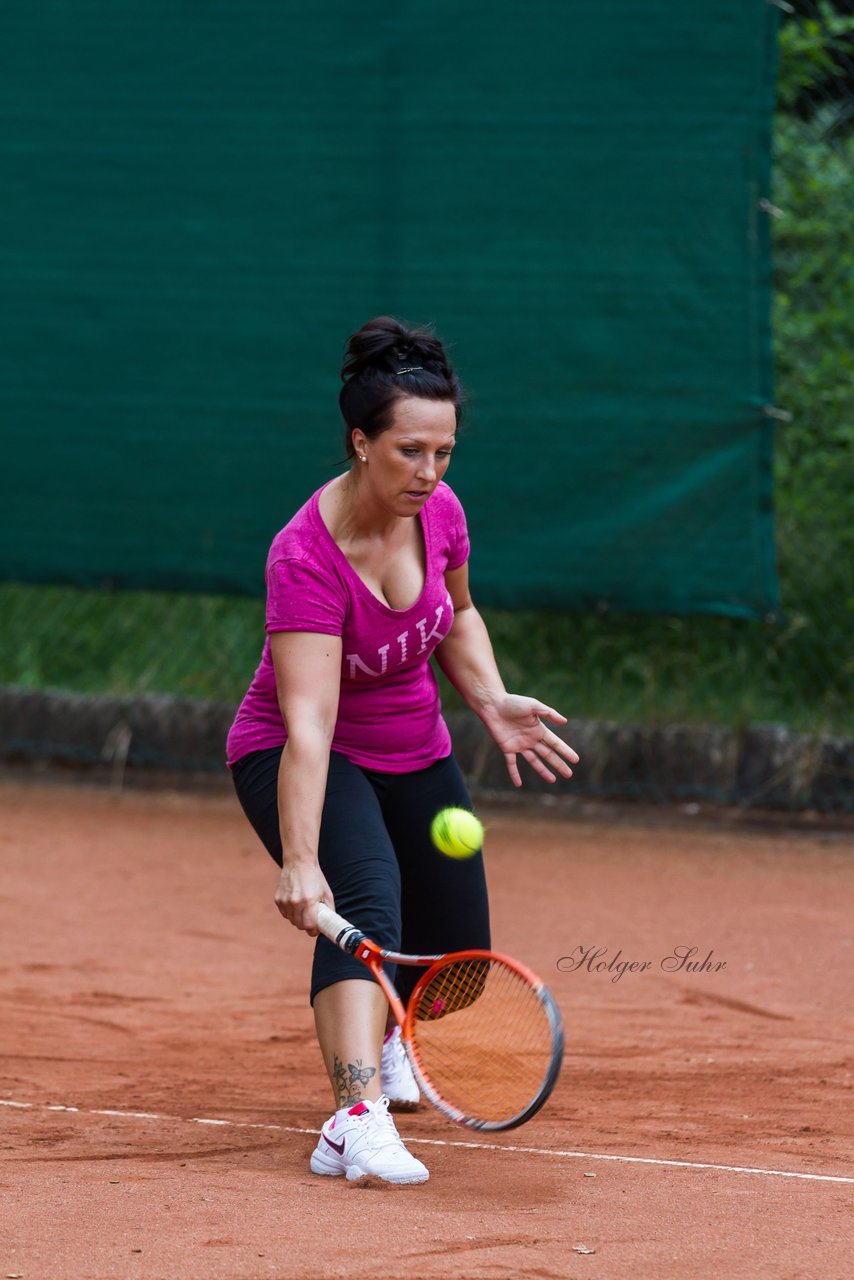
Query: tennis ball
456, 833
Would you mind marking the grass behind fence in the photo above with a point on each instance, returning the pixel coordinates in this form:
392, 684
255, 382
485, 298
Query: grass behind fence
650, 669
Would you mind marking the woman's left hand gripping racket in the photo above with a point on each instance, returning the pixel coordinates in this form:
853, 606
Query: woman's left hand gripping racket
482, 1033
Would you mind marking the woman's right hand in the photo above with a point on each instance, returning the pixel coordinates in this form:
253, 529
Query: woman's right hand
301, 886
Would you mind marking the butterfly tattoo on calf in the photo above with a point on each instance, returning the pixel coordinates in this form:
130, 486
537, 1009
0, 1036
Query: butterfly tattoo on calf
360, 1074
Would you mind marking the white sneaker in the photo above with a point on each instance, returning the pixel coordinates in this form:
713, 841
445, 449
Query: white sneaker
361, 1141
396, 1079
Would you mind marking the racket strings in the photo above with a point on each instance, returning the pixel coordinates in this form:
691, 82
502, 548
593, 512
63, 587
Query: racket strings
483, 1038
454, 987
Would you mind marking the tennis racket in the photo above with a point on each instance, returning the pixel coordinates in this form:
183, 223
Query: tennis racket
482, 1033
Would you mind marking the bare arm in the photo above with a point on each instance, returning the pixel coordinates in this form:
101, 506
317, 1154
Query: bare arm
308, 680
514, 721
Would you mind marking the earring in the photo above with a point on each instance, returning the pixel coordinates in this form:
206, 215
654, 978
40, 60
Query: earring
362, 458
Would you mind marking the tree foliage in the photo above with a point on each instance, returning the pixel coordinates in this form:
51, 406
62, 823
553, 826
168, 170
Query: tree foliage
814, 334
817, 63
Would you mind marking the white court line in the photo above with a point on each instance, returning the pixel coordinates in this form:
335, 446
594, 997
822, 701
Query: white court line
443, 1142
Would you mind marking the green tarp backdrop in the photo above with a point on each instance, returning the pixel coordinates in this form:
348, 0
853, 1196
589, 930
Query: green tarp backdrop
202, 200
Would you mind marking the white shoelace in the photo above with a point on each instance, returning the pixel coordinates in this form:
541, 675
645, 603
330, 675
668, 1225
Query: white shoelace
383, 1131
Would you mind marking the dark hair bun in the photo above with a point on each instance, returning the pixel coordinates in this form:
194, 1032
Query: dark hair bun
385, 361
386, 345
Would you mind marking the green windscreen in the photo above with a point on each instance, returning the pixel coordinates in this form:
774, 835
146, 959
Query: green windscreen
202, 201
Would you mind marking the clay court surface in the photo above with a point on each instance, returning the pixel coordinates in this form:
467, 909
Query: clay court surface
161, 1089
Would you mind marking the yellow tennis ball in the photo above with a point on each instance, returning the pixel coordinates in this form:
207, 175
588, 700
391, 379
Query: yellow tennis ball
456, 833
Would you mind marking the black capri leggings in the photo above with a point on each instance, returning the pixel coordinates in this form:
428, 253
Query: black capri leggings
379, 861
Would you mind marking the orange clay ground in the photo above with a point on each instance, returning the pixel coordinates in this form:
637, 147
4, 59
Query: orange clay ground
144, 969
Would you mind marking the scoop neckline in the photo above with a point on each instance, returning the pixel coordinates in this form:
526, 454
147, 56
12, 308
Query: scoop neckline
360, 582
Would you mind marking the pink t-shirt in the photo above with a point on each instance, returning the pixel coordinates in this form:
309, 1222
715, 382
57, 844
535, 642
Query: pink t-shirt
389, 711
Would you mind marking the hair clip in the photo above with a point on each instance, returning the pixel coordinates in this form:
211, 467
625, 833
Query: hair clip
413, 368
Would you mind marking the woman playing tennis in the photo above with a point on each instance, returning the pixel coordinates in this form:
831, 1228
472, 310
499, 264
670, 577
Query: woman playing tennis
340, 756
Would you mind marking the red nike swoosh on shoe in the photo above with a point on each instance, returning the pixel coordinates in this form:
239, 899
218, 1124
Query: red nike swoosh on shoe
336, 1146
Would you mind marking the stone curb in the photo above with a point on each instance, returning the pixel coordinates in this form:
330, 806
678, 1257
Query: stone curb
763, 766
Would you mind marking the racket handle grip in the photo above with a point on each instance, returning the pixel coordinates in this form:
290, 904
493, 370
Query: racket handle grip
337, 929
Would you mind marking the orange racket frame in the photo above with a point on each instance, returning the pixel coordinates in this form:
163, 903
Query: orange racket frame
354, 942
